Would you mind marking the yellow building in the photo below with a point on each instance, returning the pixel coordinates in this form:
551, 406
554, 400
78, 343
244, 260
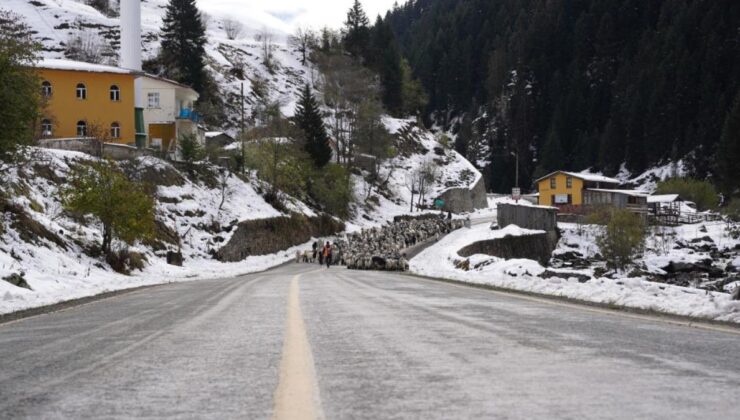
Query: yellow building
567, 188
87, 100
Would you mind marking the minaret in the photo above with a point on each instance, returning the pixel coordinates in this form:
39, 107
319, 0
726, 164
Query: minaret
131, 59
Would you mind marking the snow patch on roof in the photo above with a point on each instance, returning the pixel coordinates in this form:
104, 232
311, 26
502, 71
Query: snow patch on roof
665, 198
70, 65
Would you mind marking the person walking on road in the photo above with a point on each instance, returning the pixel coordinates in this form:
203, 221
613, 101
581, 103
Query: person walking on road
327, 253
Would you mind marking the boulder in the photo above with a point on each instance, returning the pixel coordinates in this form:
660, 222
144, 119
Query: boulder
18, 280
174, 258
582, 278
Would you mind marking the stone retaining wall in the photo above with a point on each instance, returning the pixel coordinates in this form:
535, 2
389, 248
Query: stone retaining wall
465, 200
538, 247
268, 236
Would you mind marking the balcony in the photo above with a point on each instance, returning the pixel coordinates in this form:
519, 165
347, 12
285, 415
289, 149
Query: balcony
189, 114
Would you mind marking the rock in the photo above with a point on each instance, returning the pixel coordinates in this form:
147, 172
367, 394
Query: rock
703, 229
18, 280
174, 258
716, 273
736, 293
680, 267
582, 278
600, 272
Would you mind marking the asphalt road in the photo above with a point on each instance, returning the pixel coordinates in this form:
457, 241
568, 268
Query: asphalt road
303, 342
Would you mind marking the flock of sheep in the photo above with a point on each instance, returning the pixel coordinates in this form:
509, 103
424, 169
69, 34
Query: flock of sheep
384, 248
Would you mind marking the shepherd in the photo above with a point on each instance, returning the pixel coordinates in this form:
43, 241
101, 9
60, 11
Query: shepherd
327, 253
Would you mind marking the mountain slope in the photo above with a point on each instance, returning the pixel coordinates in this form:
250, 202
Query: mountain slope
577, 83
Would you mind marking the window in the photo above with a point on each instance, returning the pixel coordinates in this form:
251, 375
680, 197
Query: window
46, 128
153, 99
46, 89
569, 182
81, 129
115, 130
81, 91
115, 93
553, 183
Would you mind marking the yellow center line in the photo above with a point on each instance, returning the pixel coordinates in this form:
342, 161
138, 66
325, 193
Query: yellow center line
297, 395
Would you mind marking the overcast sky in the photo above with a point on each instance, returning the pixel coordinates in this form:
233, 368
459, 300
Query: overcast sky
290, 14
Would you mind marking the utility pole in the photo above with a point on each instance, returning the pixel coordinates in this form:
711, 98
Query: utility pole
516, 155
242, 100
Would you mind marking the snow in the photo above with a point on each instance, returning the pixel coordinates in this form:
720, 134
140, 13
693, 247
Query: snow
665, 198
70, 65
586, 176
56, 275
631, 193
522, 275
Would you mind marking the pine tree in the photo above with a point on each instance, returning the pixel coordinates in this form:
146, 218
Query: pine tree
357, 30
386, 50
183, 44
308, 119
728, 154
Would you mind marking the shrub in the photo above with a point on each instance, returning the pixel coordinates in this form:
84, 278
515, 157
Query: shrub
623, 239
332, 189
124, 208
703, 193
732, 210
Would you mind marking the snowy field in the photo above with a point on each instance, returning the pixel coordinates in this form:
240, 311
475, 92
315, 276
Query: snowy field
439, 261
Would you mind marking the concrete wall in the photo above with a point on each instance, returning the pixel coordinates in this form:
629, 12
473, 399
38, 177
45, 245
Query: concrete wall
465, 200
528, 217
267, 236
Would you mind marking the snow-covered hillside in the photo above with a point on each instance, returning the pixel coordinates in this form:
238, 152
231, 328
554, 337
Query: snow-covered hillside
54, 251
56, 21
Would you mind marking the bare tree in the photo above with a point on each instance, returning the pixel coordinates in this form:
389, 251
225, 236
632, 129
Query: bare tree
303, 41
412, 184
267, 43
428, 175
233, 28
86, 47
347, 86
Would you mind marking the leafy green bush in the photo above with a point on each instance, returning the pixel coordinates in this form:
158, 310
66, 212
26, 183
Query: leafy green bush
732, 210
703, 193
623, 239
19, 85
124, 208
332, 189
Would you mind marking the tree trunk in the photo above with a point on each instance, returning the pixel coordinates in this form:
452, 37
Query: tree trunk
107, 239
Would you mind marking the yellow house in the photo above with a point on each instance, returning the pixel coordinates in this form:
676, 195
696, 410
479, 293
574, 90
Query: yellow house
567, 188
87, 100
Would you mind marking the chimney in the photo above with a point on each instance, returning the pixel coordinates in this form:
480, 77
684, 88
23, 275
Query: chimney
131, 59
131, 34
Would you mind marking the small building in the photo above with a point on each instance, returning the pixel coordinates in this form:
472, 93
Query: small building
169, 112
634, 201
567, 188
86, 100
218, 139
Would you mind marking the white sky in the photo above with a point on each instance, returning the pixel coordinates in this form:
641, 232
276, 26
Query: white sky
290, 14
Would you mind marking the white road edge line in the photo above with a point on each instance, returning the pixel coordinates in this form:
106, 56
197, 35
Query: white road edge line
297, 394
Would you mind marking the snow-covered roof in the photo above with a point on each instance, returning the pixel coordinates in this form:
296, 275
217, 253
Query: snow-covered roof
210, 134
631, 193
586, 176
70, 65
664, 198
